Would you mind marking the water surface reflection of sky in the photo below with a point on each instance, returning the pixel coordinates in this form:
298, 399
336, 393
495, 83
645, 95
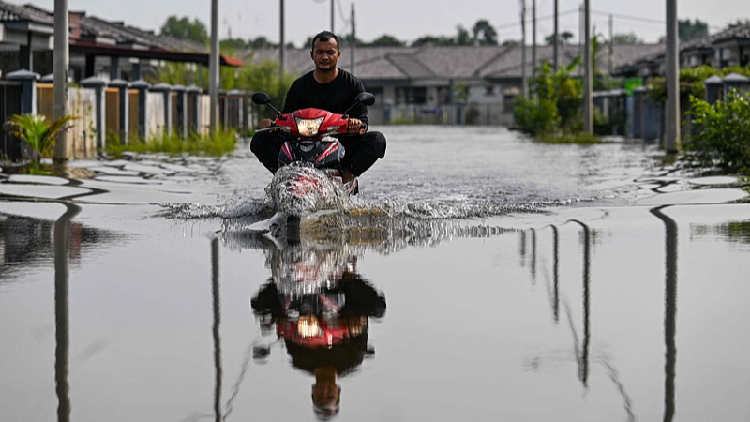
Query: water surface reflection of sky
604, 312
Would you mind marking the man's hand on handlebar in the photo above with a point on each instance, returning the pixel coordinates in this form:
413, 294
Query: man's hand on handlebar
266, 123
356, 126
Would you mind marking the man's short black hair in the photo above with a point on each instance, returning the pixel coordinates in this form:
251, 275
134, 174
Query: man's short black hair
324, 36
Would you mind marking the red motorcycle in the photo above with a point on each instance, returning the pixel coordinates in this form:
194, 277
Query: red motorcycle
309, 175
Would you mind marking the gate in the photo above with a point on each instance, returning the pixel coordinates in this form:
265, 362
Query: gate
10, 103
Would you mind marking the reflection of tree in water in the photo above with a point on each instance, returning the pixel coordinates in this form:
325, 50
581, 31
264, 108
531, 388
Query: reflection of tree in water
733, 231
27, 242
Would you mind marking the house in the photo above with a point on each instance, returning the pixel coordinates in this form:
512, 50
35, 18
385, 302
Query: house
728, 48
455, 84
97, 47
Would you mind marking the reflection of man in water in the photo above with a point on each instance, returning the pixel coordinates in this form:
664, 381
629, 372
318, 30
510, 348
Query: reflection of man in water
327, 344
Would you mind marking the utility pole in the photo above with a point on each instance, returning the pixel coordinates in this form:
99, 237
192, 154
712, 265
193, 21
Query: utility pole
611, 49
354, 41
282, 42
555, 52
673, 80
60, 79
213, 68
333, 16
533, 38
588, 77
524, 81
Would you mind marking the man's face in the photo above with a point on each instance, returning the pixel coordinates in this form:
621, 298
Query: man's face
325, 55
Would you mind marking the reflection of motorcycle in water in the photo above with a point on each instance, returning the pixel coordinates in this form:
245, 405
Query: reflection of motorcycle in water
320, 308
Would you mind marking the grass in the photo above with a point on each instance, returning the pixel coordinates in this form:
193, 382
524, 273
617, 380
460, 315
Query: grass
570, 138
219, 145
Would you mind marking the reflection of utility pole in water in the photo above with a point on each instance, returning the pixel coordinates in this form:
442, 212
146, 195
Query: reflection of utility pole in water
533, 256
217, 320
61, 240
583, 358
670, 317
556, 273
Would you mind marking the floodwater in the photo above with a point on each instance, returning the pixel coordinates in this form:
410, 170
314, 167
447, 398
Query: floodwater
478, 276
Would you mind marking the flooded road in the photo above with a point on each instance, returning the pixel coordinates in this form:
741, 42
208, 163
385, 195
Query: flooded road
478, 276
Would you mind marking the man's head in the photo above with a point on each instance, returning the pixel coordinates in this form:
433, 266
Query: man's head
325, 51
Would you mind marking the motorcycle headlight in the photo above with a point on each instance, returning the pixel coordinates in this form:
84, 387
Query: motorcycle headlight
308, 127
308, 326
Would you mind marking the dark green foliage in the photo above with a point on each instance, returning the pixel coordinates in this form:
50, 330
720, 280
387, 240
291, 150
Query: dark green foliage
184, 29
555, 105
721, 133
386, 41
484, 33
691, 82
629, 38
690, 31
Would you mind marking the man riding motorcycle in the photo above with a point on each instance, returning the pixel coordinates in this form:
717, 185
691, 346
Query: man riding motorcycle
328, 88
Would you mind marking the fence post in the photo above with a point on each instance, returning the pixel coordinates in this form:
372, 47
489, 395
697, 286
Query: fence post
194, 119
223, 109
236, 108
122, 88
181, 100
28, 81
166, 90
142, 87
98, 86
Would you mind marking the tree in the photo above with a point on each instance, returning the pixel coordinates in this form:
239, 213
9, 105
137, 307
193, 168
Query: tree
430, 40
629, 38
463, 37
487, 31
690, 31
346, 41
260, 42
386, 41
565, 38
232, 44
182, 28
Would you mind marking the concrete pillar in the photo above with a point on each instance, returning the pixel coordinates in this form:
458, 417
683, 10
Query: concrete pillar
236, 108
122, 88
138, 70
182, 109
223, 109
26, 58
114, 68
194, 108
28, 80
142, 87
166, 91
98, 85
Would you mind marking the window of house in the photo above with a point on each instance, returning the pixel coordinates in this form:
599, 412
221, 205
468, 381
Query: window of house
411, 94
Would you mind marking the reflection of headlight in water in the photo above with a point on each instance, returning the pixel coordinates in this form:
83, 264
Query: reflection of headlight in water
308, 326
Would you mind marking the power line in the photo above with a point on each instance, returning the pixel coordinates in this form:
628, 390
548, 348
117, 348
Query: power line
629, 17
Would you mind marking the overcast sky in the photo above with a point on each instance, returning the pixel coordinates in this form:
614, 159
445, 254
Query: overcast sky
407, 19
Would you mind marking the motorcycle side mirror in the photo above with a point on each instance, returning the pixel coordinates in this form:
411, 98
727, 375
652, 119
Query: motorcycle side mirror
262, 98
365, 98
362, 98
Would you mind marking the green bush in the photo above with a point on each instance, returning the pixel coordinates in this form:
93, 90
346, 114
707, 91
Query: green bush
555, 105
721, 133
221, 144
536, 116
38, 132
